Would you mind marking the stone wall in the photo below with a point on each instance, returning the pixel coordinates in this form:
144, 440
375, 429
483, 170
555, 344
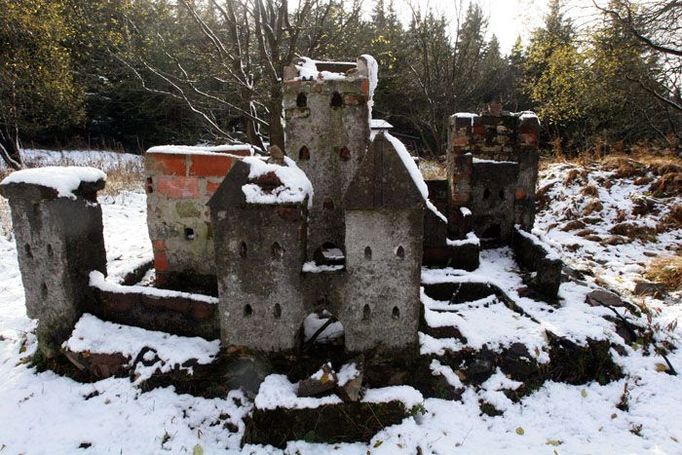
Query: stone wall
492, 163
178, 185
59, 241
537, 258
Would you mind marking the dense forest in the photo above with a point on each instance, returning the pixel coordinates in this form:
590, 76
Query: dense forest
128, 74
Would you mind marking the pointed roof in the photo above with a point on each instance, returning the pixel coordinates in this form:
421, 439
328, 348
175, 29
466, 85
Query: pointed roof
383, 180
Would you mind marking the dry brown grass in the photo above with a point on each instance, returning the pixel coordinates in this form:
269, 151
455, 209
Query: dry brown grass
666, 270
589, 190
593, 206
671, 220
635, 232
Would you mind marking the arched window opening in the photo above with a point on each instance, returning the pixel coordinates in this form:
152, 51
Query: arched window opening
277, 250
366, 313
368, 253
304, 154
337, 100
43, 290
278, 311
344, 153
400, 252
50, 251
301, 100
29, 253
396, 312
248, 311
189, 234
328, 204
486, 193
242, 250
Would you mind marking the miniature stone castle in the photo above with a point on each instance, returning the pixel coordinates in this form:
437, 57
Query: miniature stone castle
352, 247
341, 221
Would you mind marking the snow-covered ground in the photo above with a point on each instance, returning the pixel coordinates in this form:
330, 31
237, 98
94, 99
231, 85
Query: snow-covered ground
43, 413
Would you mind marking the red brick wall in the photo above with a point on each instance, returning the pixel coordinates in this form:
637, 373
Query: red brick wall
178, 186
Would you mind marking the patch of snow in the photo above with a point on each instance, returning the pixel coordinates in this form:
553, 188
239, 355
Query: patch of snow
101, 337
438, 369
347, 373
63, 179
471, 239
482, 161
409, 396
98, 281
465, 211
312, 324
276, 391
313, 267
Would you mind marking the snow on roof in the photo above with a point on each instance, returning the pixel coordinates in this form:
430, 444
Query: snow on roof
525, 114
468, 115
291, 183
416, 175
379, 124
101, 337
63, 179
200, 149
307, 70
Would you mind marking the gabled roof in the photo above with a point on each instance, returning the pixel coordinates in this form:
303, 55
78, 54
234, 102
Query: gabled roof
383, 181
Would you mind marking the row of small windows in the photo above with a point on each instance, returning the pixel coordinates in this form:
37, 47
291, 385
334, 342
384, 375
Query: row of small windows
277, 311
399, 251
367, 312
335, 101
275, 249
304, 153
278, 252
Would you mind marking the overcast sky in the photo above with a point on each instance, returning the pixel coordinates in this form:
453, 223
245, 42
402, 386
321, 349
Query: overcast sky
508, 19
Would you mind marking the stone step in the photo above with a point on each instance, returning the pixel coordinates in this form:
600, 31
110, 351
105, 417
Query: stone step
105, 349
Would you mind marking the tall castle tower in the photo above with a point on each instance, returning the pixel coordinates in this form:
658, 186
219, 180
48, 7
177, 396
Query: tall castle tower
327, 110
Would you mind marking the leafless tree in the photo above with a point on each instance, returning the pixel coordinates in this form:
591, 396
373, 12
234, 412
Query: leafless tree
246, 44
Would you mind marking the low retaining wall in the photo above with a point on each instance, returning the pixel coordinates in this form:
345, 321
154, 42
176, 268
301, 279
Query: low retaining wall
535, 256
178, 313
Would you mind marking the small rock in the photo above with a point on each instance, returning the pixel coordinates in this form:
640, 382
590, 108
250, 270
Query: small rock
276, 155
322, 381
649, 288
350, 380
601, 297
